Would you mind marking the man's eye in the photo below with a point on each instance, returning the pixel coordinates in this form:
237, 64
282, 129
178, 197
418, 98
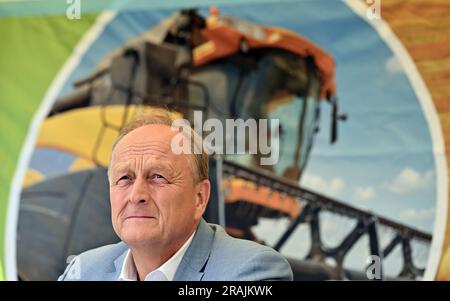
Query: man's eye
124, 180
159, 178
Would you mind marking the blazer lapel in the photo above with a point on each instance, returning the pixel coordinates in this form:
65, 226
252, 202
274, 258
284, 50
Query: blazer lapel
192, 265
114, 273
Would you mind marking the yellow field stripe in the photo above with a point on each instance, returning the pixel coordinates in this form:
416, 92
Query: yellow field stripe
76, 132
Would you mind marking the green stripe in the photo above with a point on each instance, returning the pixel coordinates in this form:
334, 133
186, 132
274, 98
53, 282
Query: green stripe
33, 51
59, 7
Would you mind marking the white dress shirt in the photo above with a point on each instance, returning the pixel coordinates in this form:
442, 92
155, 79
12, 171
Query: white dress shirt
165, 272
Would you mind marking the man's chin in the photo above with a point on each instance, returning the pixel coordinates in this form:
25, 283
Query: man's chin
138, 240
139, 236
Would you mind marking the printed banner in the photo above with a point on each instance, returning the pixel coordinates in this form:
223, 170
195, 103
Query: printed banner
371, 131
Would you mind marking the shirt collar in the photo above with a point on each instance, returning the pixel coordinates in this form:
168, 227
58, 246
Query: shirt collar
129, 273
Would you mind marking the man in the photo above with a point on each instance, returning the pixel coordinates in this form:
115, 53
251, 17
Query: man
158, 197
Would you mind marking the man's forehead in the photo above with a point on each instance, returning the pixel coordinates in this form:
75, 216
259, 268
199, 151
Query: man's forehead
149, 140
151, 157
130, 163
139, 148
154, 135
150, 132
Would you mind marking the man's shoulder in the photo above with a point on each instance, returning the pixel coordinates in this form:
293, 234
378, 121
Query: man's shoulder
245, 259
108, 251
94, 263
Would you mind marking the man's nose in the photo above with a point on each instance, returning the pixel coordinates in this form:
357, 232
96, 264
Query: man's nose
140, 191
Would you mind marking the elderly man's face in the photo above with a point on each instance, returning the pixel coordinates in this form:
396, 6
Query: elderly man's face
154, 198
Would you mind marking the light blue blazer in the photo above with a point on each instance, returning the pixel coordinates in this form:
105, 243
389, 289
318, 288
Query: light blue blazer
212, 256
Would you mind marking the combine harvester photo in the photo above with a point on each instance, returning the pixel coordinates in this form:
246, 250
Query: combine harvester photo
226, 68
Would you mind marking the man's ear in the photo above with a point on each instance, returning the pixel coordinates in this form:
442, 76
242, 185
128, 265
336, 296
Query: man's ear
202, 193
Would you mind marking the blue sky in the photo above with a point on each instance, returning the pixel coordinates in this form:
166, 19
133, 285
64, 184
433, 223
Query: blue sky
383, 160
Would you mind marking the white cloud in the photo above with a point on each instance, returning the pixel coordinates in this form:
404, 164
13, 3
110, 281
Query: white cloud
365, 193
392, 65
332, 187
410, 180
417, 215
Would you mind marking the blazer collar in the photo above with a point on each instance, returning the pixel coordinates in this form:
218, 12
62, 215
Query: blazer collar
194, 260
114, 271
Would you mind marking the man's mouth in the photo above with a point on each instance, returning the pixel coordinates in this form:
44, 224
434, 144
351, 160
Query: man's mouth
139, 217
